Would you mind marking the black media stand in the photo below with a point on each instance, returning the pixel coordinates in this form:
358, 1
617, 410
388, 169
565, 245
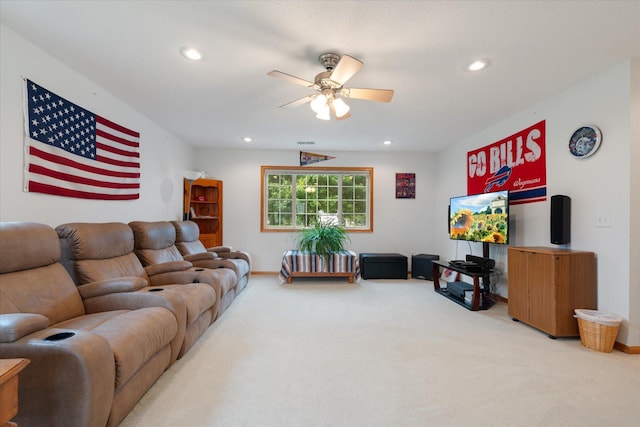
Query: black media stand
481, 297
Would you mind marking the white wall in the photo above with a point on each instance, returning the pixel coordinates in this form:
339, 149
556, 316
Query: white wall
601, 183
400, 225
163, 156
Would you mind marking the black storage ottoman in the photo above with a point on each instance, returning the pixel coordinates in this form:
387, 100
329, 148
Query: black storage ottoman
383, 266
421, 267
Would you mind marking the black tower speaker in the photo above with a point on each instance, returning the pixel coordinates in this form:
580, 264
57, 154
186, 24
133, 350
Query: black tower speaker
560, 219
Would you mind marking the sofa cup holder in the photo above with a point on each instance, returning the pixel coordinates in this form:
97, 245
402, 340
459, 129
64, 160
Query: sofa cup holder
60, 336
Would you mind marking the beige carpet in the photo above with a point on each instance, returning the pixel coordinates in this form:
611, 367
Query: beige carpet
384, 353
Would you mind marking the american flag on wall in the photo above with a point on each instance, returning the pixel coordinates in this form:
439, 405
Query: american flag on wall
73, 152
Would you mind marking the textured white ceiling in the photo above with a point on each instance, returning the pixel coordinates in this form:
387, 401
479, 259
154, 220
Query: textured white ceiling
418, 48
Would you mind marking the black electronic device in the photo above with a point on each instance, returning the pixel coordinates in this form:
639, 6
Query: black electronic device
463, 263
421, 266
458, 289
482, 262
560, 219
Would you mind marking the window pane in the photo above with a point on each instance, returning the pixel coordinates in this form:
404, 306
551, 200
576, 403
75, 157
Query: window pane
359, 220
360, 181
285, 220
347, 193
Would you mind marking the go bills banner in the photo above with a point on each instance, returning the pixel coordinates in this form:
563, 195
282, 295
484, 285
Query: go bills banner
516, 163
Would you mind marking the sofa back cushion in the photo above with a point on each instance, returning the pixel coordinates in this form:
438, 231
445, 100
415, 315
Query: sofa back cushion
155, 242
99, 251
187, 233
31, 278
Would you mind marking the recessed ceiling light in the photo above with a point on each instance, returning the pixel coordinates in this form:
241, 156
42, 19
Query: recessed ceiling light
387, 142
478, 65
191, 53
247, 139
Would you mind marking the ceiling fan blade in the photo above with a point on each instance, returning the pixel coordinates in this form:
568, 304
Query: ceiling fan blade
290, 78
346, 68
297, 102
379, 95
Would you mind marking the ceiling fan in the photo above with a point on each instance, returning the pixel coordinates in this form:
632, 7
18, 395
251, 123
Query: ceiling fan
329, 85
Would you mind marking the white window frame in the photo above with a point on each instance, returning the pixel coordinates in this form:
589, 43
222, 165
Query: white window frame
314, 170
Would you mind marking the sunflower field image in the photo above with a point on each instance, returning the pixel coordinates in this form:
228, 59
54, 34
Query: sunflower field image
479, 218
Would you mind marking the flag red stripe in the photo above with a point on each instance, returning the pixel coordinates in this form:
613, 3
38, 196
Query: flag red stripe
116, 162
58, 191
116, 126
123, 141
67, 162
112, 149
78, 179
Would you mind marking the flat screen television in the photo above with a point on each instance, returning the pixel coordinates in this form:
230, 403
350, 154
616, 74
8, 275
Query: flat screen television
480, 217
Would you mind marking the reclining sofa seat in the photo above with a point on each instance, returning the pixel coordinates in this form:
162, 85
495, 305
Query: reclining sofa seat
101, 255
155, 244
88, 367
192, 249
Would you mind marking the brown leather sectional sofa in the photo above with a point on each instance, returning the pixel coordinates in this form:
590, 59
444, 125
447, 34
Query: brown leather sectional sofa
99, 319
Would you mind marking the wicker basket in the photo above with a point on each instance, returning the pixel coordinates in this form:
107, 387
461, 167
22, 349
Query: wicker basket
598, 331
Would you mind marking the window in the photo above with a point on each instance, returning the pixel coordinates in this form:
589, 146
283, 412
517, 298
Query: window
295, 197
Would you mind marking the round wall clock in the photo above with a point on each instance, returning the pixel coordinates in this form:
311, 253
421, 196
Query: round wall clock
585, 141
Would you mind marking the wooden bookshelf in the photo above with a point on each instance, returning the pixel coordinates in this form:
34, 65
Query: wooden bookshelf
205, 209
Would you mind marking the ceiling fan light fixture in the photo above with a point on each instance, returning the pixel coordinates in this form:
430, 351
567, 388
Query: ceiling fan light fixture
340, 107
319, 103
324, 114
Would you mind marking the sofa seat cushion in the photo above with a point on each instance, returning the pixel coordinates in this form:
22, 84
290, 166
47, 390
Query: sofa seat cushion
134, 336
197, 298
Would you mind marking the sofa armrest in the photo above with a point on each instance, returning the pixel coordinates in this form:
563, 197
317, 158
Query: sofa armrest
71, 376
192, 275
143, 298
236, 255
214, 263
110, 286
14, 326
202, 256
219, 249
167, 267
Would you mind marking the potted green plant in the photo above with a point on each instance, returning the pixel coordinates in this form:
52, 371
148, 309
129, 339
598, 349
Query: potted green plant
323, 237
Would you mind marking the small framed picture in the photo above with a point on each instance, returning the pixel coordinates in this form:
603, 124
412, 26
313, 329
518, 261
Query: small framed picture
405, 186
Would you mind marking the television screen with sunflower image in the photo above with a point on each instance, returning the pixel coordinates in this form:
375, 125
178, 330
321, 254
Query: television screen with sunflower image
480, 217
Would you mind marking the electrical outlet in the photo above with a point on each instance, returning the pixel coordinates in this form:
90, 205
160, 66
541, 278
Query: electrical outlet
603, 219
